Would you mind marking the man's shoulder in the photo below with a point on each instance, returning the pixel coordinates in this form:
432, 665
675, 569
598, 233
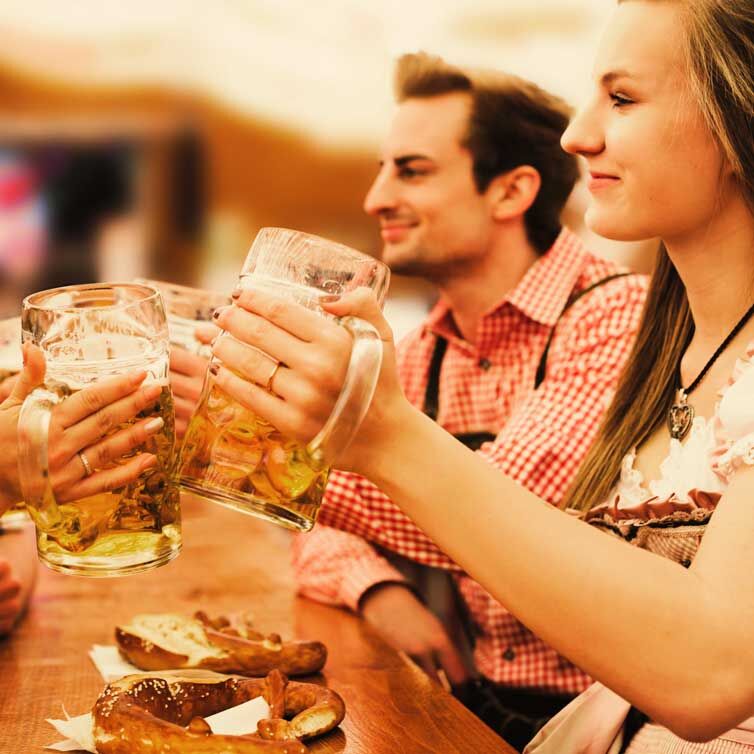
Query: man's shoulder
603, 283
596, 269
607, 298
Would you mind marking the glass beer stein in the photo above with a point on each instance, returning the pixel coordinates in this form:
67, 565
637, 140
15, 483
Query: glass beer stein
88, 333
186, 308
235, 458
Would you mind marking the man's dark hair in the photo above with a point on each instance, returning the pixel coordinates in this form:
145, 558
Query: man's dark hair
513, 122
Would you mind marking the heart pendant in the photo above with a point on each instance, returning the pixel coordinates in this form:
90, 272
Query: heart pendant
680, 417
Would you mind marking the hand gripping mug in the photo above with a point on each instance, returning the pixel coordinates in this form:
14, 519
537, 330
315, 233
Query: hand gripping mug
10, 366
235, 458
87, 333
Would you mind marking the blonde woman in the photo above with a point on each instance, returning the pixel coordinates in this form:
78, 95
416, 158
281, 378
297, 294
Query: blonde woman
651, 592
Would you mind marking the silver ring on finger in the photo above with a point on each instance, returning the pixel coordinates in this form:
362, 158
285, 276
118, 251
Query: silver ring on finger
268, 387
88, 470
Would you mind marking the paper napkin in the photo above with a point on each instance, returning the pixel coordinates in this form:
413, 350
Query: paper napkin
235, 721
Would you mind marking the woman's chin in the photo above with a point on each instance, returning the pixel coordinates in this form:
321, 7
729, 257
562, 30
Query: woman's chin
613, 226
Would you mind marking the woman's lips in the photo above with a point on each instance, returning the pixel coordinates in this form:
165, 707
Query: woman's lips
598, 181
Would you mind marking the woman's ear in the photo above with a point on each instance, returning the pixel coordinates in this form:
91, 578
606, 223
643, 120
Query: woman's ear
512, 193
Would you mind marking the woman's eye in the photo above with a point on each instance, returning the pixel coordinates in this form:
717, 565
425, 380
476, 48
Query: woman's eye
620, 100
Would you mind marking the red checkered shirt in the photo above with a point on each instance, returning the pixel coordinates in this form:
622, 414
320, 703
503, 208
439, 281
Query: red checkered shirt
542, 436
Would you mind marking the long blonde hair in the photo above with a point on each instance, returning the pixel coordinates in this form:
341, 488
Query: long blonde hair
719, 57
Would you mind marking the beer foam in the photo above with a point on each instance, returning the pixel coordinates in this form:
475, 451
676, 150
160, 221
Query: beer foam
305, 295
80, 374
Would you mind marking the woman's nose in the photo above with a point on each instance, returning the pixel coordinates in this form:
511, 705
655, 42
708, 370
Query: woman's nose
584, 134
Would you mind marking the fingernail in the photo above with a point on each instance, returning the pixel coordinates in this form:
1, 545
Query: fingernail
236, 292
154, 424
214, 368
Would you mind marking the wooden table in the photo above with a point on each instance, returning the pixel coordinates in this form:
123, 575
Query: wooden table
230, 562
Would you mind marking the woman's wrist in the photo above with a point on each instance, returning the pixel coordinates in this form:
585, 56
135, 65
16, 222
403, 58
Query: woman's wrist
387, 453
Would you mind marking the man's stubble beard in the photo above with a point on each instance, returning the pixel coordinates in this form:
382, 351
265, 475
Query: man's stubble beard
413, 261
416, 264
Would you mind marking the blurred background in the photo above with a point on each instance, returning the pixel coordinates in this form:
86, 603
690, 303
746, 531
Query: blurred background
155, 138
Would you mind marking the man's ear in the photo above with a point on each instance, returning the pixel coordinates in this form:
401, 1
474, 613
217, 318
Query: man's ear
512, 193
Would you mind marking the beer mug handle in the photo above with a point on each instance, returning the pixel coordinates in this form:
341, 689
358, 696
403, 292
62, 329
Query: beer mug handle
33, 463
354, 399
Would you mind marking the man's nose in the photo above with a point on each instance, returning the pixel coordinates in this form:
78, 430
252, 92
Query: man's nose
381, 195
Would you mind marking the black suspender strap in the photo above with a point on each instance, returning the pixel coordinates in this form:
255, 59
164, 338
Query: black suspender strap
472, 440
542, 368
432, 393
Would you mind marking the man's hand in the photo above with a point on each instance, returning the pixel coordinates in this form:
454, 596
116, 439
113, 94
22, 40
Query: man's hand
187, 372
10, 598
403, 621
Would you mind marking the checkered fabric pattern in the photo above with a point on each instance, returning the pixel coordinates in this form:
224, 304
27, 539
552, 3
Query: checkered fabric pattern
654, 739
542, 436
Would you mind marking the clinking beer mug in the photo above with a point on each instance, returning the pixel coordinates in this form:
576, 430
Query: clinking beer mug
186, 308
235, 458
88, 333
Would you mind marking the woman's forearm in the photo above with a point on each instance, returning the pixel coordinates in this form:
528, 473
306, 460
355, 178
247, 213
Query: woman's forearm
594, 598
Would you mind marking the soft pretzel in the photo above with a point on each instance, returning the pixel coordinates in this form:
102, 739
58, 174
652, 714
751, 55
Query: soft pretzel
167, 641
163, 713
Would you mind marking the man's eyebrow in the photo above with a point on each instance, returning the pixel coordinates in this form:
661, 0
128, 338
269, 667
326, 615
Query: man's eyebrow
406, 158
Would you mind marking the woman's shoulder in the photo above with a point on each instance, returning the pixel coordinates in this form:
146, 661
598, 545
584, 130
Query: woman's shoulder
734, 419
735, 410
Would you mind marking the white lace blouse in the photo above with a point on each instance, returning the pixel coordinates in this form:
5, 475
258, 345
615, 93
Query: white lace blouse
668, 515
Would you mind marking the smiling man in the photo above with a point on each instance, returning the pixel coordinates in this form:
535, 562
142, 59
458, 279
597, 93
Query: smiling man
518, 359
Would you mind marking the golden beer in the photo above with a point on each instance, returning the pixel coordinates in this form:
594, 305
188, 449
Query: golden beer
89, 333
235, 458
136, 524
230, 451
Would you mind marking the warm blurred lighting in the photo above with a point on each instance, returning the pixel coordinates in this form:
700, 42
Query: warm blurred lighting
162, 135
320, 67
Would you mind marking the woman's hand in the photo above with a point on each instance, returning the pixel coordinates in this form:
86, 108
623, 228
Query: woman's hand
81, 424
187, 371
313, 353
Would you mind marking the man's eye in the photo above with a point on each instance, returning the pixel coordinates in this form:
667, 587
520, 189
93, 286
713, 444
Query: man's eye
620, 100
407, 172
